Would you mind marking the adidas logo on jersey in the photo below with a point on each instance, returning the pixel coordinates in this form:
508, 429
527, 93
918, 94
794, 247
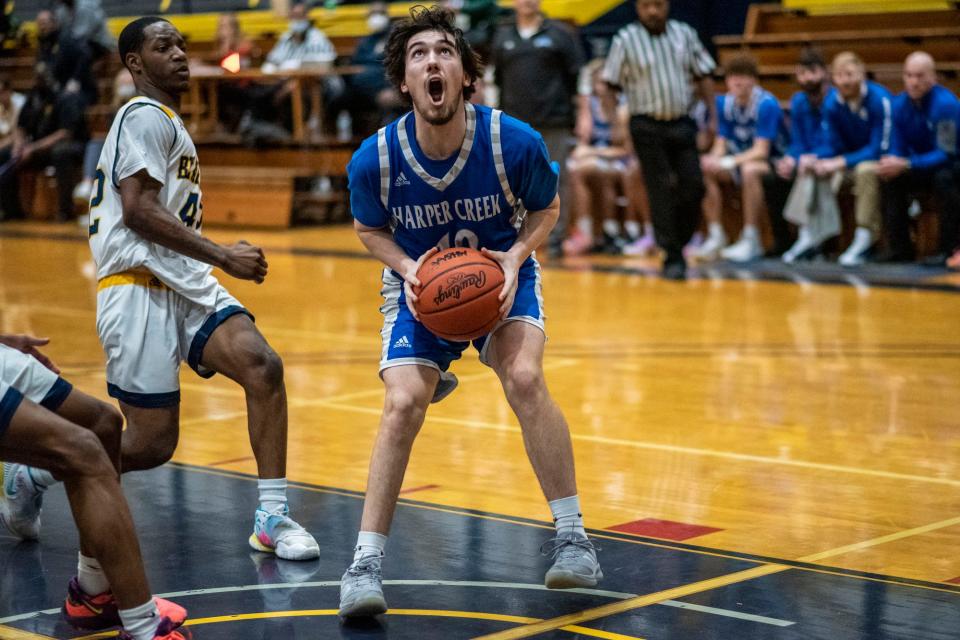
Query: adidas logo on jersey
401, 180
402, 343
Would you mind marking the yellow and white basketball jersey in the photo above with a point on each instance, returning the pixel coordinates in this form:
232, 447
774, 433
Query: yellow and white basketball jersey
148, 136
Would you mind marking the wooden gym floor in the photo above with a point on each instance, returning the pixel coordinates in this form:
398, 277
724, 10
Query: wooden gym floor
763, 453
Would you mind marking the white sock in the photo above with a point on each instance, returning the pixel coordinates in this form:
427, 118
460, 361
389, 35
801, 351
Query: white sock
715, 230
750, 232
42, 479
567, 516
585, 226
369, 543
611, 227
273, 494
91, 577
632, 227
141, 622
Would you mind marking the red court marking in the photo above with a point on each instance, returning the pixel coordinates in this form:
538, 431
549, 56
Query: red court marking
664, 529
222, 462
954, 580
423, 488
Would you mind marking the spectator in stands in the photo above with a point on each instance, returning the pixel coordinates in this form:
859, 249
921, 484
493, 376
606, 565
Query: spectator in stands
858, 121
369, 97
806, 137
123, 90
230, 40
10, 104
536, 62
303, 44
86, 22
67, 59
751, 134
602, 166
923, 158
51, 130
664, 135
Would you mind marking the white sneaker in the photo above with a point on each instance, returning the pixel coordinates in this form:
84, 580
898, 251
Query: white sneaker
83, 190
747, 248
856, 253
20, 502
361, 589
710, 249
804, 244
278, 533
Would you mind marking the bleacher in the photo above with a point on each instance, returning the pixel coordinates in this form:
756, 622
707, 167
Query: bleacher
775, 34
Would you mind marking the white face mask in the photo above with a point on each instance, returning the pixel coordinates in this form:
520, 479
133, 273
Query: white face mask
299, 27
377, 22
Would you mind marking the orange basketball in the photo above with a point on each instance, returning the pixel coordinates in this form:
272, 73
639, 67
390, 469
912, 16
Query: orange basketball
457, 297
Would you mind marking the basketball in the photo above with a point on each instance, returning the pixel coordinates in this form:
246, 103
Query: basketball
457, 297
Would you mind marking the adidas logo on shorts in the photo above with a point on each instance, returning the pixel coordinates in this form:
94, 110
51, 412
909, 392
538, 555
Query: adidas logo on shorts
401, 180
402, 343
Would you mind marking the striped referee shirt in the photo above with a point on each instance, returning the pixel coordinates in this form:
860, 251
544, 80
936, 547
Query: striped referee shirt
657, 71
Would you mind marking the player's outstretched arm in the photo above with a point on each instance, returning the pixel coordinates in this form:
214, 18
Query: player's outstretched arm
534, 232
380, 243
28, 345
143, 213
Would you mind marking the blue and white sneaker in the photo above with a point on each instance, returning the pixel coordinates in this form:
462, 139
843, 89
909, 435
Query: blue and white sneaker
361, 589
279, 534
20, 502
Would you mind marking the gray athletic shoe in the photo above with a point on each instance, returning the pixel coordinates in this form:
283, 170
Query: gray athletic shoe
575, 562
20, 502
448, 382
361, 589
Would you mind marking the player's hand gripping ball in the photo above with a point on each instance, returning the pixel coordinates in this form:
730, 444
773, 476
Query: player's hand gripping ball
457, 296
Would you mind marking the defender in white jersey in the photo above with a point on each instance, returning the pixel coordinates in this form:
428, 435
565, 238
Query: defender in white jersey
44, 420
158, 303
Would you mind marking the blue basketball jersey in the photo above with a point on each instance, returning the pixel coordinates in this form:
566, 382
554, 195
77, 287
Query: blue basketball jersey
761, 117
475, 198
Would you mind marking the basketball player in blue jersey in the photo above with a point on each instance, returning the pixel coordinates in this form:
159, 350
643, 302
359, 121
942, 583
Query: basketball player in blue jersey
158, 302
451, 173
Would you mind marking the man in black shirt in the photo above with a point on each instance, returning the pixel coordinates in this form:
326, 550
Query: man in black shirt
67, 59
51, 130
536, 63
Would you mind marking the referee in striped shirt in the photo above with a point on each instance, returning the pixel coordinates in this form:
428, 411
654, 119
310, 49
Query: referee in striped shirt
658, 63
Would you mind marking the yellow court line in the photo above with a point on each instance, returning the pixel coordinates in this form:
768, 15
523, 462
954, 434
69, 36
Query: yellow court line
437, 613
604, 611
9, 633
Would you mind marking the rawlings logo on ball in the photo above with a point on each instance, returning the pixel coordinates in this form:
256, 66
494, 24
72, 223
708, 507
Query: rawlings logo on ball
457, 283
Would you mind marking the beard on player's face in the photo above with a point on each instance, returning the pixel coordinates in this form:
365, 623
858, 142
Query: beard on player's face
439, 115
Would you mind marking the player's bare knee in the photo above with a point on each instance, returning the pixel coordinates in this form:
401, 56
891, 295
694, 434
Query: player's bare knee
108, 424
82, 456
148, 451
403, 407
523, 381
264, 371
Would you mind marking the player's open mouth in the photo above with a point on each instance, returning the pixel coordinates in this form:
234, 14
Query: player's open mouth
435, 90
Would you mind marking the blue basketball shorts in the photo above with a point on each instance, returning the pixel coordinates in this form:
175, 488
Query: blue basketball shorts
407, 341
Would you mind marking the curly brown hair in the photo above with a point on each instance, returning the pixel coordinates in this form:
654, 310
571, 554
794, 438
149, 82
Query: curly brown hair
435, 18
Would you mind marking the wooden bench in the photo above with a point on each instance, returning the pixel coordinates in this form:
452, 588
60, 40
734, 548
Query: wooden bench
248, 196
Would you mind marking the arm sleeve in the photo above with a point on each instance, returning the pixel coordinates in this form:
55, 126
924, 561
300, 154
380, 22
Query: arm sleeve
574, 58
613, 67
881, 126
702, 63
945, 129
532, 176
768, 120
145, 136
724, 126
363, 175
275, 57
